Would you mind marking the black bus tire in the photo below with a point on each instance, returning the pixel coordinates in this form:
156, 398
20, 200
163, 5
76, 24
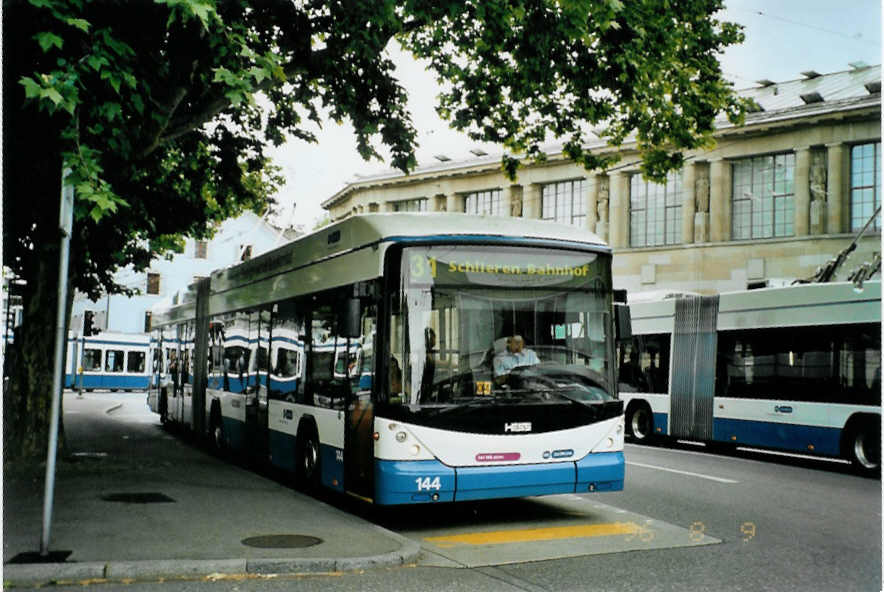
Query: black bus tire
216, 431
307, 460
640, 422
862, 446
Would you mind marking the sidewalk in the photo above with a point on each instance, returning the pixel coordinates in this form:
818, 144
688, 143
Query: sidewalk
134, 502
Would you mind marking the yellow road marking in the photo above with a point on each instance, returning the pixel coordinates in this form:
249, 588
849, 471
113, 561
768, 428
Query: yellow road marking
534, 534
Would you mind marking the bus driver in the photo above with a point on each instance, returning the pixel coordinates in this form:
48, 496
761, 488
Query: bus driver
514, 356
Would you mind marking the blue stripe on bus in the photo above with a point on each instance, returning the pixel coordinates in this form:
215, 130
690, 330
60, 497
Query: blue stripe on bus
784, 436
475, 483
234, 433
604, 471
661, 424
396, 482
108, 381
282, 450
407, 482
93, 341
332, 466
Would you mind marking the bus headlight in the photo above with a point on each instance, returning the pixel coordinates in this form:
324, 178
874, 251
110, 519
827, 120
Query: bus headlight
415, 450
610, 442
401, 437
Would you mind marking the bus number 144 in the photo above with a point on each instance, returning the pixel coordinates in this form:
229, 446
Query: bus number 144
426, 484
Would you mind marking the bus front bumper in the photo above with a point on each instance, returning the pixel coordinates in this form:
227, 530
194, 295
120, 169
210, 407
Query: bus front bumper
411, 482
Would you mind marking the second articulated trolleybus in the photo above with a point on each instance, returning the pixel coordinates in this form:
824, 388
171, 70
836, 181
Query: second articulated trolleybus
796, 368
407, 358
108, 360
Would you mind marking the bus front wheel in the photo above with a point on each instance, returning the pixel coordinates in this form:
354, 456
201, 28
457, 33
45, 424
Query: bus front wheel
864, 447
216, 432
308, 461
640, 423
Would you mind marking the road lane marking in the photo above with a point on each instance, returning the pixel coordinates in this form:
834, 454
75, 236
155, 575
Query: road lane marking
689, 473
498, 537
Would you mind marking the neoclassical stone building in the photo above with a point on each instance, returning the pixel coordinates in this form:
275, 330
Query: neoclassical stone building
772, 201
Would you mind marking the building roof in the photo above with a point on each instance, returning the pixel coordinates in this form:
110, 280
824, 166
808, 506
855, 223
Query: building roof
812, 94
813, 88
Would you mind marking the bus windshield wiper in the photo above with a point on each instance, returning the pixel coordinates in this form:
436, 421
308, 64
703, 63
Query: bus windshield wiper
477, 402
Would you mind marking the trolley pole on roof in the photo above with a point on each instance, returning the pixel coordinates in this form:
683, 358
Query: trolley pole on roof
65, 223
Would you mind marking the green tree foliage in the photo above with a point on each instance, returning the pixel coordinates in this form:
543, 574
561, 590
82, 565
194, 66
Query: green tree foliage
163, 111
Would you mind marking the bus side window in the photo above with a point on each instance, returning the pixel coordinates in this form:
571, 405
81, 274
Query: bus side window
288, 336
91, 360
114, 360
135, 361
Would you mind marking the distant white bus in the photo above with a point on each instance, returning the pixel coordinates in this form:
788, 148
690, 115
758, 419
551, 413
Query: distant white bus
112, 361
366, 357
795, 368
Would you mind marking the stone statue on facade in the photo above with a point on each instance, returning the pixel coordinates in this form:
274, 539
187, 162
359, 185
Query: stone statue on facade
818, 179
818, 175
701, 191
602, 200
516, 204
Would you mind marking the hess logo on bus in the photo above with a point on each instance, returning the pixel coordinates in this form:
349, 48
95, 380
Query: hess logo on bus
517, 426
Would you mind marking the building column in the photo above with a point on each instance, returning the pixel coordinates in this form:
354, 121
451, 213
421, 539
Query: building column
438, 203
837, 193
802, 191
719, 202
531, 201
454, 203
619, 210
506, 200
688, 206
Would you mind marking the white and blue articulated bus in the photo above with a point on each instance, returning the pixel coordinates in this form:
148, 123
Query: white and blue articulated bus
795, 369
108, 360
408, 358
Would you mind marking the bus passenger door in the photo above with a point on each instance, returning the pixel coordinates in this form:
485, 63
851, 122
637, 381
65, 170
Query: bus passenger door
359, 420
255, 386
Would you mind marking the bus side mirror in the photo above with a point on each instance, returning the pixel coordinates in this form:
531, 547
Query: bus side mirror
351, 321
622, 322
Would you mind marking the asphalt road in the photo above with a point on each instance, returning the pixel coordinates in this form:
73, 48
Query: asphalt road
706, 522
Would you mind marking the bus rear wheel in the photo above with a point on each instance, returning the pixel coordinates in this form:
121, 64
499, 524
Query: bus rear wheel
640, 423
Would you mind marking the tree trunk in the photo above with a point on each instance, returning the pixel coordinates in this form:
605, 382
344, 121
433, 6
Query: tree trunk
27, 398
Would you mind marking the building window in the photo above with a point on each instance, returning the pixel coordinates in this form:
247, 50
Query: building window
764, 197
865, 185
411, 205
245, 252
202, 249
655, 211
153, 283
483, 202
564, 202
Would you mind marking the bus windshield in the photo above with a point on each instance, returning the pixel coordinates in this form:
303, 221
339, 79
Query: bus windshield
474, 324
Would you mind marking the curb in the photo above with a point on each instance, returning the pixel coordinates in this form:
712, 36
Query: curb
56, 573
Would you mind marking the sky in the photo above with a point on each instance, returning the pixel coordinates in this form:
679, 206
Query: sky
783, 39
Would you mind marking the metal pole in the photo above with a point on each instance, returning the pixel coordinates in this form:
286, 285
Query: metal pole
80, 367
65, 222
